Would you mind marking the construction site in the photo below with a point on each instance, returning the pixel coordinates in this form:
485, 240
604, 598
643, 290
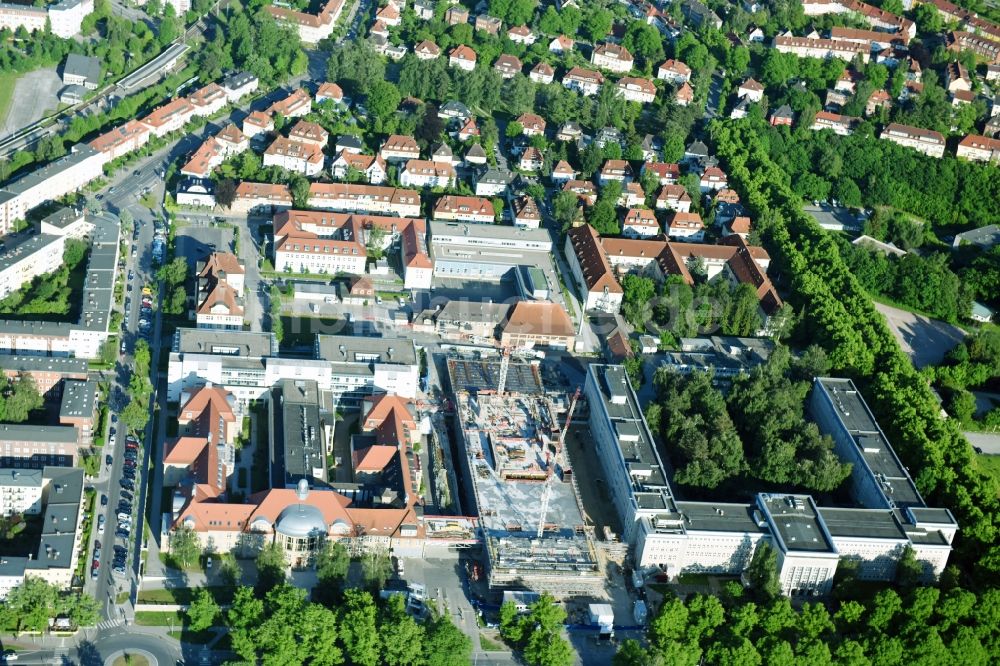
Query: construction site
512, 444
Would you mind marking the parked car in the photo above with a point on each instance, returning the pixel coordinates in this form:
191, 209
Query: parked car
127, 484
126, 495
104, 501
100, 524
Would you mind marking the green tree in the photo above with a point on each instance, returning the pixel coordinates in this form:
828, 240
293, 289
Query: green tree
598, 24
300, 191
243, 617
20, 399
203, 611
271, 568
909, 570
762, 572
376, 568
383, 101
565, 208
444, 643
332, 562
358, 632
185, 546
30, 604
402, 638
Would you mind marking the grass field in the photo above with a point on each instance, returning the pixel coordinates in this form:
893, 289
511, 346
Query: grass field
7, 81
159, 618
990, 465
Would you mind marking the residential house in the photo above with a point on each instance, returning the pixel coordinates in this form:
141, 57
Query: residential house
665, 173
329, 91
525, 212
751, 90
569, 131
562, 172
424, 9
684, 95
674, 197
521, 34
260, 197
925, 141
491, 181
427, 50
542, 73
632, 195
879, 99
561, 45
979, 148
456, 15
686, 227
712, 179
584, 81
674, 71
295, 105
399, 148
359, 198
468, 130
640, 223
740, 108
738, 226
348, 143
783, 115
455, 208
507, 66
700, 15
612, 57
635, 89
209, 100
533, 124
311, 133
838, 124
463, 58
371, 167
257, 123
617, 170
806, 47
583, 189
424, 173
303, 158
593, 273
489, 24
443, 153
475, 155
201, 163
170, 117
122, 140
956, 77
531, 159
389, 14
239, 85
195, 192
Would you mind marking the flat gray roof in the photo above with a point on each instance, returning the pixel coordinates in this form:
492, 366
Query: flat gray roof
872, 444
796, 522
985, 237
63, 217
870, 523
297, 448
85, 66
26, 248
354, 350
635, 442
79, 398
24, 478
38, 433
719, 517
61, 364
81, 152
487, 231
225, 343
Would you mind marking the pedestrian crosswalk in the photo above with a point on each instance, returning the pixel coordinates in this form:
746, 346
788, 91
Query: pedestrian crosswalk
111, 624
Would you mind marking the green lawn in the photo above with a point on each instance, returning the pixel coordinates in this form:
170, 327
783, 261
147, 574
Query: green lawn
184, 595
990, 465
490, 645
159, 618
7, 81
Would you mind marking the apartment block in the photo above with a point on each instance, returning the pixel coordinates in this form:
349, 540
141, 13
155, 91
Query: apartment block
354, 198
922, 140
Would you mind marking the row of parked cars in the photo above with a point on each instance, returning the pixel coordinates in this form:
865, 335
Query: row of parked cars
124, 514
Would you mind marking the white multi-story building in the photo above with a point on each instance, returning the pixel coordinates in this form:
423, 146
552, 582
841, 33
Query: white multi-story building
65, 17
247, 364
806, 47
979, 148
424, 173
592, 271
722, 537
55, 180
356, 198
20, 491
303, 158
922, 140
22, 262
612, 57
456, 208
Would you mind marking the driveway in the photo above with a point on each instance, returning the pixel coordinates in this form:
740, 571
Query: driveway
925, 340
34, 95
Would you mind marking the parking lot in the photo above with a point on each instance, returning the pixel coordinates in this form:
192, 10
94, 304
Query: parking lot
34, 94
195, 242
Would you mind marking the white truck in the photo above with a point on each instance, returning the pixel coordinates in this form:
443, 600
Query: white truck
603, 617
